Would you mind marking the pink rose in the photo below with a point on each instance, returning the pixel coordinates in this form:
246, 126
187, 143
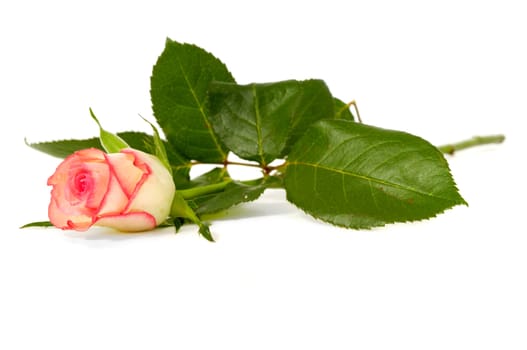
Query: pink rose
127, 191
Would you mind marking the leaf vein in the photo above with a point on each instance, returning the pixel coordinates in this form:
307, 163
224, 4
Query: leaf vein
366, 150
368, 178
258, 125
200, 107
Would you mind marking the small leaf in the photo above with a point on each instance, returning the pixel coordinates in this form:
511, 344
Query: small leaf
179, 84
178, 223
159, 147
181, 209
110, 142
64, 148
204, 230
260, 122
342, 110
214, 176
38, 224
167, 223
360, 176
234, 193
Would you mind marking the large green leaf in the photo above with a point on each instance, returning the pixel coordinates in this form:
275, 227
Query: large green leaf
260, 122
137, 140
360, 176
314, 103
179, 84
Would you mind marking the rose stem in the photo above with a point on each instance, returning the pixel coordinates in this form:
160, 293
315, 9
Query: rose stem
473, 142
202, 190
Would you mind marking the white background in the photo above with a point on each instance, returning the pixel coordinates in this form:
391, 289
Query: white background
275, 279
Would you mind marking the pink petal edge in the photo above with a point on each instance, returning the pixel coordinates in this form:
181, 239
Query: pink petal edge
130, 222
141, 164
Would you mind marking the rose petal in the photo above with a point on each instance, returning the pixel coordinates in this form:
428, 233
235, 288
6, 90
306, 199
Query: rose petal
123, 167
157, 189
79, 157
131, 222
115, 201
73, 204
67, 221
100, 175
128, 191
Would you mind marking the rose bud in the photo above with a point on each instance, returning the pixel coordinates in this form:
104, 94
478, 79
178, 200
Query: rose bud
128, 191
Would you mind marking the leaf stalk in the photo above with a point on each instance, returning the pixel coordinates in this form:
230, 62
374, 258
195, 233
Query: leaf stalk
473, 142
203, 190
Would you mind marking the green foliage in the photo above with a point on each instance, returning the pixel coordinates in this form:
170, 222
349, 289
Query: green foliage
159, 147
234, 193
63, 148
342, 110
111, 143
182, 210
260, 122
38, 224
179, 85
360, 176
214, 176
333, 168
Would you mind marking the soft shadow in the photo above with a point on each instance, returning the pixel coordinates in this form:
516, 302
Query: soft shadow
103, 235
270, 204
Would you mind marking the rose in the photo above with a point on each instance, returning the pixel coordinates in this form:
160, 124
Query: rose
128, 191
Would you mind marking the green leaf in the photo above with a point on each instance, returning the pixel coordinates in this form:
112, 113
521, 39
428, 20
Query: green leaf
179, 84
109, 141
137, 140
159, 147
360, 176
64, 148
233, 194
314, 103
260, 122
342, 110
215, 191
214, 176
181, 209
178, 223
38, 224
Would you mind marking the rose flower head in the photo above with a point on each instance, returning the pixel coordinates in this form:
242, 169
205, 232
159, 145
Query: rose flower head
129, 191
